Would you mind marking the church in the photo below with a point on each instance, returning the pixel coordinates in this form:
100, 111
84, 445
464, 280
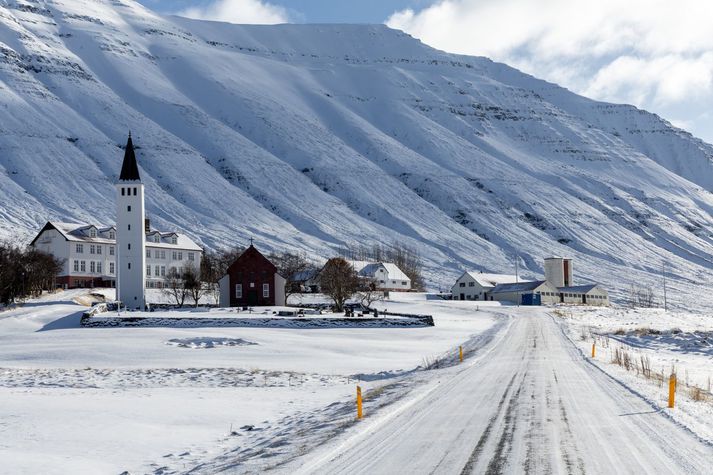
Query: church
252, 280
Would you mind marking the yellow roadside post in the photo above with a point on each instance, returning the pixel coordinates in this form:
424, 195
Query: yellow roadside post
460, 353
360, 413
594, 349
672, 390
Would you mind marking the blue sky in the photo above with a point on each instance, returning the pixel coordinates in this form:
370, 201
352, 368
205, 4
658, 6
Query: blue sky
654, 54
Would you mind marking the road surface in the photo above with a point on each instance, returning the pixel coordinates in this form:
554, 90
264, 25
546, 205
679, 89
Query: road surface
532, 404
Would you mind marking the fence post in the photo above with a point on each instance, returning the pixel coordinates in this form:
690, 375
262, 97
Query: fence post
672, 390
594, 349
360, 413
460, 353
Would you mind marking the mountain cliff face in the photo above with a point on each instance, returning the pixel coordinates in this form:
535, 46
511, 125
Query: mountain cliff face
315, 137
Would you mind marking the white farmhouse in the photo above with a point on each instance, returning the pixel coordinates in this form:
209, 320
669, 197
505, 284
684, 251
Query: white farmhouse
385, 275
476, 285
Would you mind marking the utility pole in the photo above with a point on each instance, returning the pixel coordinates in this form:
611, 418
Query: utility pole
663, 274
517, 270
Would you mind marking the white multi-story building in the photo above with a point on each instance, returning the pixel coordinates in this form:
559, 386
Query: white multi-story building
89, 254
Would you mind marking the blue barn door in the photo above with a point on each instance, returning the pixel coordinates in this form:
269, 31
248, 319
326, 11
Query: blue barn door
531, 299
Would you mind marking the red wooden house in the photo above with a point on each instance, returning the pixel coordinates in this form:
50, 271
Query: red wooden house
252, 280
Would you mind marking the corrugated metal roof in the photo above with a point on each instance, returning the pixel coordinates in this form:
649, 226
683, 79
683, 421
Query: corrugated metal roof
491, 280
580, 289
517, 287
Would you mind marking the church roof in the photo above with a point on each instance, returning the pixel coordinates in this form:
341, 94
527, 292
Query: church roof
129, 169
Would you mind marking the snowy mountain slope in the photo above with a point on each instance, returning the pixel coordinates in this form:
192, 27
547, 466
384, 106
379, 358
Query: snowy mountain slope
314, 137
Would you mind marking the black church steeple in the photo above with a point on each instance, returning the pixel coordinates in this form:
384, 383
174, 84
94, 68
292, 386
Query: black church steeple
129, 169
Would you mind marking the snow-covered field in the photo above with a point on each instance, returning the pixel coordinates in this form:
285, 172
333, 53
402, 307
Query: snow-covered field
106, 400
666, 341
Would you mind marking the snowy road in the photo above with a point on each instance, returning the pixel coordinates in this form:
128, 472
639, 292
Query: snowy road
532, 404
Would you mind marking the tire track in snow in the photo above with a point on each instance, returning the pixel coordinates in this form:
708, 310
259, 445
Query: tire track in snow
478, 449
504, 445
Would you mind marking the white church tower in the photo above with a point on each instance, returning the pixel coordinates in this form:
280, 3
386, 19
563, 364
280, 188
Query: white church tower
130, 236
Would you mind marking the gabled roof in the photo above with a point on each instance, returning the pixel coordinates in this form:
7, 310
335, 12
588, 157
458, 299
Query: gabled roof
251, 254
129, 168
491, 280
368, 269
517, 287
579, 289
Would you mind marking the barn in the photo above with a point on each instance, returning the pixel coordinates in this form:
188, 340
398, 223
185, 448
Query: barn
252, 280
589, 294
525, 293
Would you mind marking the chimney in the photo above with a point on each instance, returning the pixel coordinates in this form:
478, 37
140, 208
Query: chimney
147, 225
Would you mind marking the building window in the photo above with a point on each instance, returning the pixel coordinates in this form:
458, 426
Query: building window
163, 271
156, 271
148, 252
112, 235
265, 290
93, 233
80, 248
471, 284
122, 191
129, 246
163, 254
99, 250
111, 268
134, 191
238, 291
92, 249
111, 250
128, 227
174, 255
148, 271
462, 284
190, 256
157, 238
174, 240
83, 266
129, 265
92, 267
76, 266
403, 282
180, 256
128, 208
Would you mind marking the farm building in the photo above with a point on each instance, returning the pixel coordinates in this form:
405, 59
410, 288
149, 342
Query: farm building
385, 275
476, 285
525, 293
589, 294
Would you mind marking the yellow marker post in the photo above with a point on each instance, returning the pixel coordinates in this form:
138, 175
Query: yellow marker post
594, 349
672, 390
360, 412
460, 353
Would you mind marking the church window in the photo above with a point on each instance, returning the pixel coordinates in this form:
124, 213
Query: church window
265, 290
129, 227
122, 191
128, 208
134, 191
129, 246
238, 291
129, 265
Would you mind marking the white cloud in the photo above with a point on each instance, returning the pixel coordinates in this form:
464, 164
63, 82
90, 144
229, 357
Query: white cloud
656, 54
238, 11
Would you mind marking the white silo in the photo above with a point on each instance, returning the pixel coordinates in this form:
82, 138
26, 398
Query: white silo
558, 271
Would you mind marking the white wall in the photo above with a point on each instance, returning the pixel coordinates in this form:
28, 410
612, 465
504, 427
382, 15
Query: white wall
130, 245
472, 290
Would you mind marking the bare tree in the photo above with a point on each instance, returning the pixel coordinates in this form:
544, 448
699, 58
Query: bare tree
192, 284
293, 267
405, 258
25, 272
175, 288
369, 293
339, 281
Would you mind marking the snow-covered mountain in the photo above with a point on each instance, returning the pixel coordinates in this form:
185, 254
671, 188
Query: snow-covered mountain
314, 137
